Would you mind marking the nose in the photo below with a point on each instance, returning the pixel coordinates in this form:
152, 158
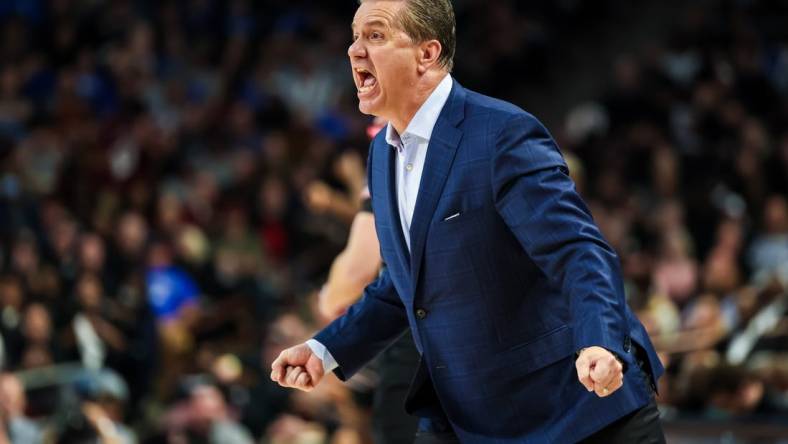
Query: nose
356, 49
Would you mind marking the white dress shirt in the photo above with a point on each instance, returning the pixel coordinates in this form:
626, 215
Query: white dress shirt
411, 149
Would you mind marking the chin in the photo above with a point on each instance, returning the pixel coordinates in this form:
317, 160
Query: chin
367, 108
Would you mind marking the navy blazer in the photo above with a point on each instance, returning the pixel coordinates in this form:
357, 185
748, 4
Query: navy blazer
500, 298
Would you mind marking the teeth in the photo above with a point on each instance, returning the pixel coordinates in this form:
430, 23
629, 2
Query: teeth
368, 82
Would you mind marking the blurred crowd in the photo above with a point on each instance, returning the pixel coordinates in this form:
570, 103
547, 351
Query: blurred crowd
176, 177
684, 161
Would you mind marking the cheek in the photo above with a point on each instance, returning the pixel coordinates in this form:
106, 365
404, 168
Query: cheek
393, 72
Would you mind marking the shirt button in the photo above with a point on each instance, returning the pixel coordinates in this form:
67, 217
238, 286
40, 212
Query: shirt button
421, 313
409, 167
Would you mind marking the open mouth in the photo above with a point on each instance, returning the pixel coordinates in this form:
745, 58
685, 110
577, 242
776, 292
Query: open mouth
365, 80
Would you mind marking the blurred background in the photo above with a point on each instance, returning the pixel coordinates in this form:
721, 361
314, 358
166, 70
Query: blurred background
177, 176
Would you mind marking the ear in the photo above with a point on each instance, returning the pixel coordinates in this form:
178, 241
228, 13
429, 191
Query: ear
429, 52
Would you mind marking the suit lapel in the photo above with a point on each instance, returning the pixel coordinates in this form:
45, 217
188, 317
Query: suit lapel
389, 165
440, 156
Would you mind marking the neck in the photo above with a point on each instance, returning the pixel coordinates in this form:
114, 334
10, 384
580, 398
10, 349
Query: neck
422, 91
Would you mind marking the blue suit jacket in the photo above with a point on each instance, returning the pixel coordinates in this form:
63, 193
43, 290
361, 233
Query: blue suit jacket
500, 298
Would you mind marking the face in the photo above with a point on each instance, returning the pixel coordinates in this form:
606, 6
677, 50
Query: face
89, 292
37, 324
92, 252
384, 59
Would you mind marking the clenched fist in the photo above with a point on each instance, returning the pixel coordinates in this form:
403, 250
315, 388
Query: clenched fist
599, 371
297, 367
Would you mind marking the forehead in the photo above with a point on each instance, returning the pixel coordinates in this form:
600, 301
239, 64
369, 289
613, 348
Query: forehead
377, 12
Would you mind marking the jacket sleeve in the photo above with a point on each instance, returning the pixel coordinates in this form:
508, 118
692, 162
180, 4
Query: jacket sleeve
366, 329
370, 325
538, 202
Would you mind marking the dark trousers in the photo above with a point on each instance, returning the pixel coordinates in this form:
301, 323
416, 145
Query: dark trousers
396, 366
641, 426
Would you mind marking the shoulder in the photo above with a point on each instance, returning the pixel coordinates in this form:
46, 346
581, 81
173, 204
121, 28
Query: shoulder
478, 102
497, 115
514, 137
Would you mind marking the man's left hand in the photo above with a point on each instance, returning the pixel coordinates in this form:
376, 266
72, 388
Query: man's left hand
599, 371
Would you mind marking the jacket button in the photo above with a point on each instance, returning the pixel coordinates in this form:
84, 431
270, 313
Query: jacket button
421, 313
627, 344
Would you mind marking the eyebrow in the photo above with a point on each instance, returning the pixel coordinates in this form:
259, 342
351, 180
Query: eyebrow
374, 22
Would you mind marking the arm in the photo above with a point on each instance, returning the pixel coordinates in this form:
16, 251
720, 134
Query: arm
350, 341
371, 324
368, 327
353, 269
321, 199
538, 202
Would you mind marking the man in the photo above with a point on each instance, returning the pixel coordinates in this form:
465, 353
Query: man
514, 299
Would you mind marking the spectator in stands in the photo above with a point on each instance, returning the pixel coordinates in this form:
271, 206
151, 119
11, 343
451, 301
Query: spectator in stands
15, 427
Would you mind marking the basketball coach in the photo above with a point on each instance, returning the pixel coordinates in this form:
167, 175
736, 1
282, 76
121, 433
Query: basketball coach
514, 299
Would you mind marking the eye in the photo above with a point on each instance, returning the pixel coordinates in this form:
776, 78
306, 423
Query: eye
354, 38
375, 35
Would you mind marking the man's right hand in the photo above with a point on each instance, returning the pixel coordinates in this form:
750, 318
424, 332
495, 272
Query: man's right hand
297, 367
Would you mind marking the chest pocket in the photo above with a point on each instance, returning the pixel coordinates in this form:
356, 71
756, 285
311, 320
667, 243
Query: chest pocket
455, 227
